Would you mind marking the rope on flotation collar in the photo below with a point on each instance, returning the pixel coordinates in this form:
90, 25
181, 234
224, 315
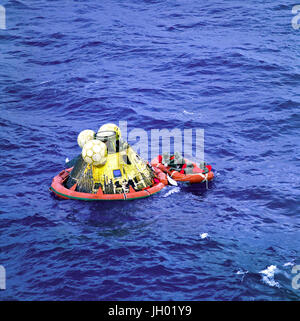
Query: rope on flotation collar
204, 176
171, 181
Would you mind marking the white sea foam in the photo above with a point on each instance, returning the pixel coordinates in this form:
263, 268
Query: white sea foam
45, 82
241, 272
204, 235
173, 190
67, 160
187, 112
288, 264
268, 275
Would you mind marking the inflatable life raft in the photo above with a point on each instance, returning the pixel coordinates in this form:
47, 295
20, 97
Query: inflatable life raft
107, 169
182, 169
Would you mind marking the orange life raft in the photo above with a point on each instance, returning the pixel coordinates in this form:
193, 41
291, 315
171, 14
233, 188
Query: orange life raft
197, 174
60, 190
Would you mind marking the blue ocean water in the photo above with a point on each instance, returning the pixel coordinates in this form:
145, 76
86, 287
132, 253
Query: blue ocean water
229, 67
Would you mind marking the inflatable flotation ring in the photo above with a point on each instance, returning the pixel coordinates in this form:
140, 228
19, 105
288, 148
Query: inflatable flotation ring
107, 169
182, 169
58, 187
